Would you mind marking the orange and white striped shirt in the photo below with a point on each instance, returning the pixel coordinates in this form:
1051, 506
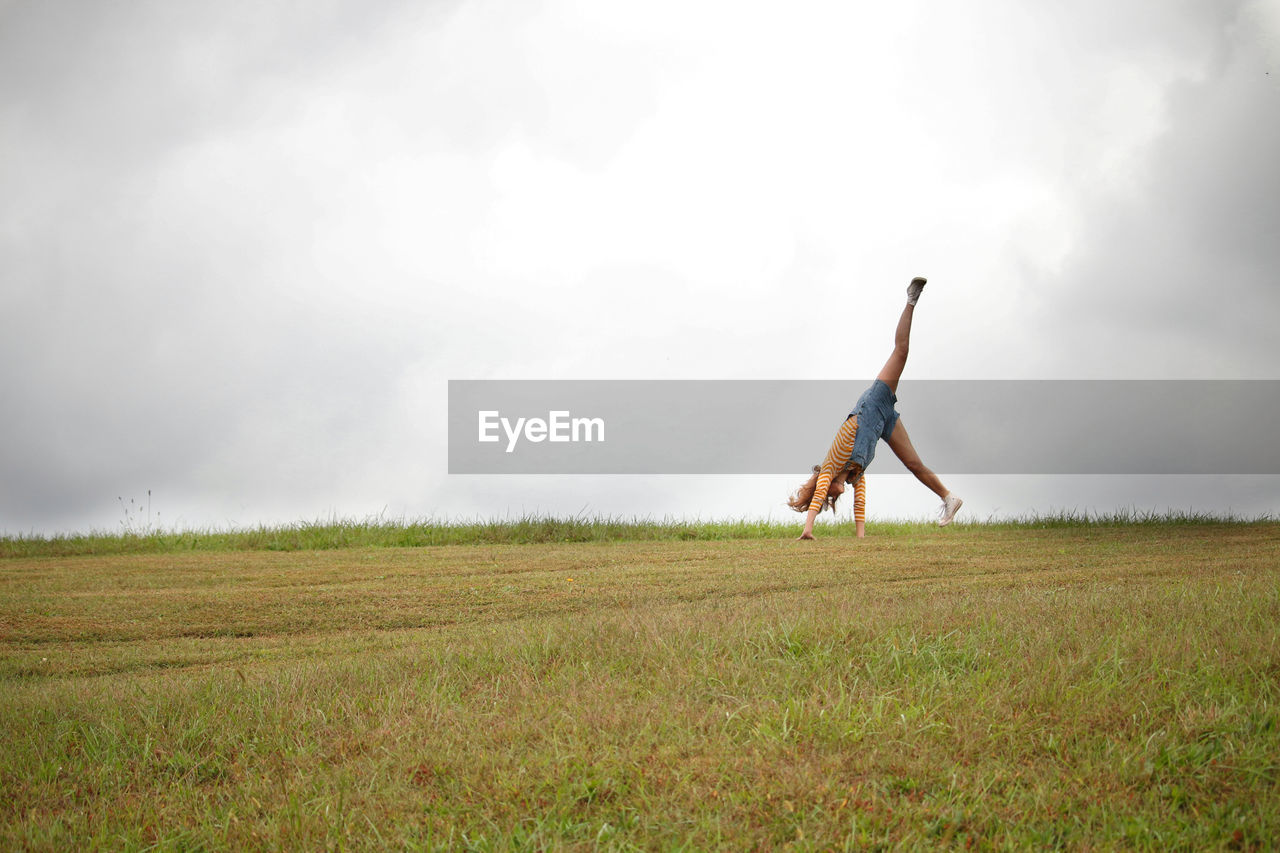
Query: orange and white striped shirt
837, 459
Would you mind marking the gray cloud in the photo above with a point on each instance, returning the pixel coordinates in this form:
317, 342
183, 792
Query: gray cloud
1174, 271
152, 335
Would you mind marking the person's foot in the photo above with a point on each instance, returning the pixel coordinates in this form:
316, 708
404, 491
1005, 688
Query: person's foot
914, 289
950, 506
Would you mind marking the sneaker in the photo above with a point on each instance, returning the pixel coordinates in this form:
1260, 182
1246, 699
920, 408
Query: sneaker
914, 289
950, 506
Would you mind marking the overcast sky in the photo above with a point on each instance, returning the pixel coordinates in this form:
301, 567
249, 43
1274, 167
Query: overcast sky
245, 245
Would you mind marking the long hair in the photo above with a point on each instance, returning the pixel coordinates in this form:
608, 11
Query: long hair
804, 495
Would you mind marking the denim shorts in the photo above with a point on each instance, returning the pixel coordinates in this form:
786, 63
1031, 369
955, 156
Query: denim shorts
876, 420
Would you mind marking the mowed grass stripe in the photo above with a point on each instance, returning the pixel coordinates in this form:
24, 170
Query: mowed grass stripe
87, 599
1080, 687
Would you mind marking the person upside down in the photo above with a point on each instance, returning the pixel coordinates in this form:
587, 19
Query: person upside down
873, 417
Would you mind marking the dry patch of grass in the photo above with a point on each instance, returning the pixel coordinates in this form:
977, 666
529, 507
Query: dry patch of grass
1079, 686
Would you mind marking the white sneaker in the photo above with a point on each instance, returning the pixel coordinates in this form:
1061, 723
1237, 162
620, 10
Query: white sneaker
914, 289
950, 506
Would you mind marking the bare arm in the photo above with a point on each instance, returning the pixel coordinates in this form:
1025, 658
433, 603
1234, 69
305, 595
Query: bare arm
808, 524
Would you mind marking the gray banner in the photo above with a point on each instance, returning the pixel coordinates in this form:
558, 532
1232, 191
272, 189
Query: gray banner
786, 426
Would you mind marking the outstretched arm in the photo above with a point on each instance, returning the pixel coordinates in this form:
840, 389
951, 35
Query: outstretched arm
837, 457
808, 524
819, 497
860, 507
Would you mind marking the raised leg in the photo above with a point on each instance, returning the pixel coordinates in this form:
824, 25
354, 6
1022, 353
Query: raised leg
892, 370
900, 443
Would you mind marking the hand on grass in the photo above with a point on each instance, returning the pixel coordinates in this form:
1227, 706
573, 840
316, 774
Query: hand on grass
805, 535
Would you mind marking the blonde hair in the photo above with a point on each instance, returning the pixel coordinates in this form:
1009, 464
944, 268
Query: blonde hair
804, 495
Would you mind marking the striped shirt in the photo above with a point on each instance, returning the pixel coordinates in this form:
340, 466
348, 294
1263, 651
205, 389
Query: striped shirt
837, 460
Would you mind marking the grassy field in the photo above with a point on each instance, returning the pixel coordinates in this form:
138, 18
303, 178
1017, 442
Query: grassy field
1038, 685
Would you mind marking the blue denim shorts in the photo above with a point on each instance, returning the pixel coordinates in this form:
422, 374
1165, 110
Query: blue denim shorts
876, 420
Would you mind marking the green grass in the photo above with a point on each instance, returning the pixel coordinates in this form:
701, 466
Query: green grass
379, 532
1050, 684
